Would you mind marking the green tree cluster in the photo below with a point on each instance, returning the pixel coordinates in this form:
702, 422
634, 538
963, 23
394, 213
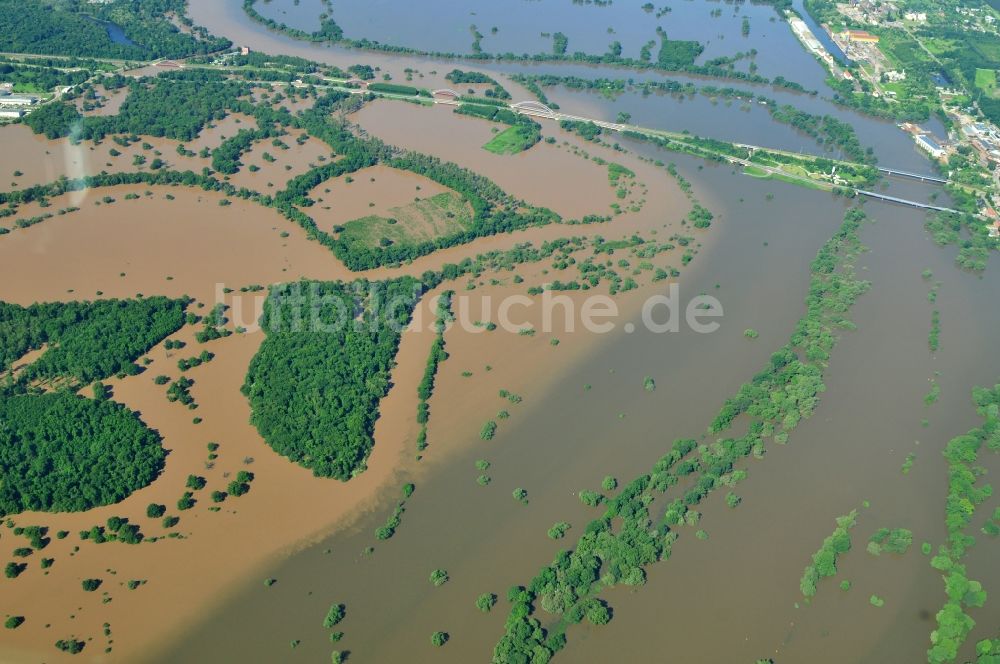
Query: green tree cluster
824, 561
174, 105
459, 77
79, 28
618, 546
87, 340
315, 384
896, 540
61, 452
965, 493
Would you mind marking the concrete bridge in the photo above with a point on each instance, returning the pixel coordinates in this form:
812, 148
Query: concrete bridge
903, 201
912, 176
537, 109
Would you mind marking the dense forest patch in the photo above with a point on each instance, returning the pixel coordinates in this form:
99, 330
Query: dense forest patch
88, 340
73, 27
61, 452
316, 382
194, 98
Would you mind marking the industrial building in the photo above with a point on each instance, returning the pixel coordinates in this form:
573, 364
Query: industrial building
929, 145
859, 36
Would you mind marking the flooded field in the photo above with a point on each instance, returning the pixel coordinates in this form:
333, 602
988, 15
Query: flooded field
189, 245
41, 161
270, 164
252, 577
565, 438
437, 131
370, 191
442, 27
176, 241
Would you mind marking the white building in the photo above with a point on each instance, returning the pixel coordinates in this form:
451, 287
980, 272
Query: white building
895, 76
920, 17
11, 113
930, 146
17, 100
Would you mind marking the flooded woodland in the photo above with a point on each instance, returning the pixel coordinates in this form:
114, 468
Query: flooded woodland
252, 580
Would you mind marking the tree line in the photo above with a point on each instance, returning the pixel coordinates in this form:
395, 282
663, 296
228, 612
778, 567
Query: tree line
615, 548
436, 356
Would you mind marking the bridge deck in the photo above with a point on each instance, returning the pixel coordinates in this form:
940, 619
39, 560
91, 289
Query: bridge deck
537, 109
915, 176
903, 201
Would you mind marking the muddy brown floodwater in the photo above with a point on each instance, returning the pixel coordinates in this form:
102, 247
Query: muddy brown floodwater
585, 413
543, 175
153, 245
177, 241
733, 597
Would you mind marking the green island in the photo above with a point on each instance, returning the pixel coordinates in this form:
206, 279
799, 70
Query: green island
313, 341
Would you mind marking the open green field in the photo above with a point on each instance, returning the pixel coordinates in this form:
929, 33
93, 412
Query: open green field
986, 80
424, 219
512, 140
901, 50
761, 174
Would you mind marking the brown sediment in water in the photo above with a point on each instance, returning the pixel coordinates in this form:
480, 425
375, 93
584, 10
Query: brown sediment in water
269, 521
543, 175
200, 243
203, 246
191, 239
751, 562
41, 160
218, 130
285, 164
285, 505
